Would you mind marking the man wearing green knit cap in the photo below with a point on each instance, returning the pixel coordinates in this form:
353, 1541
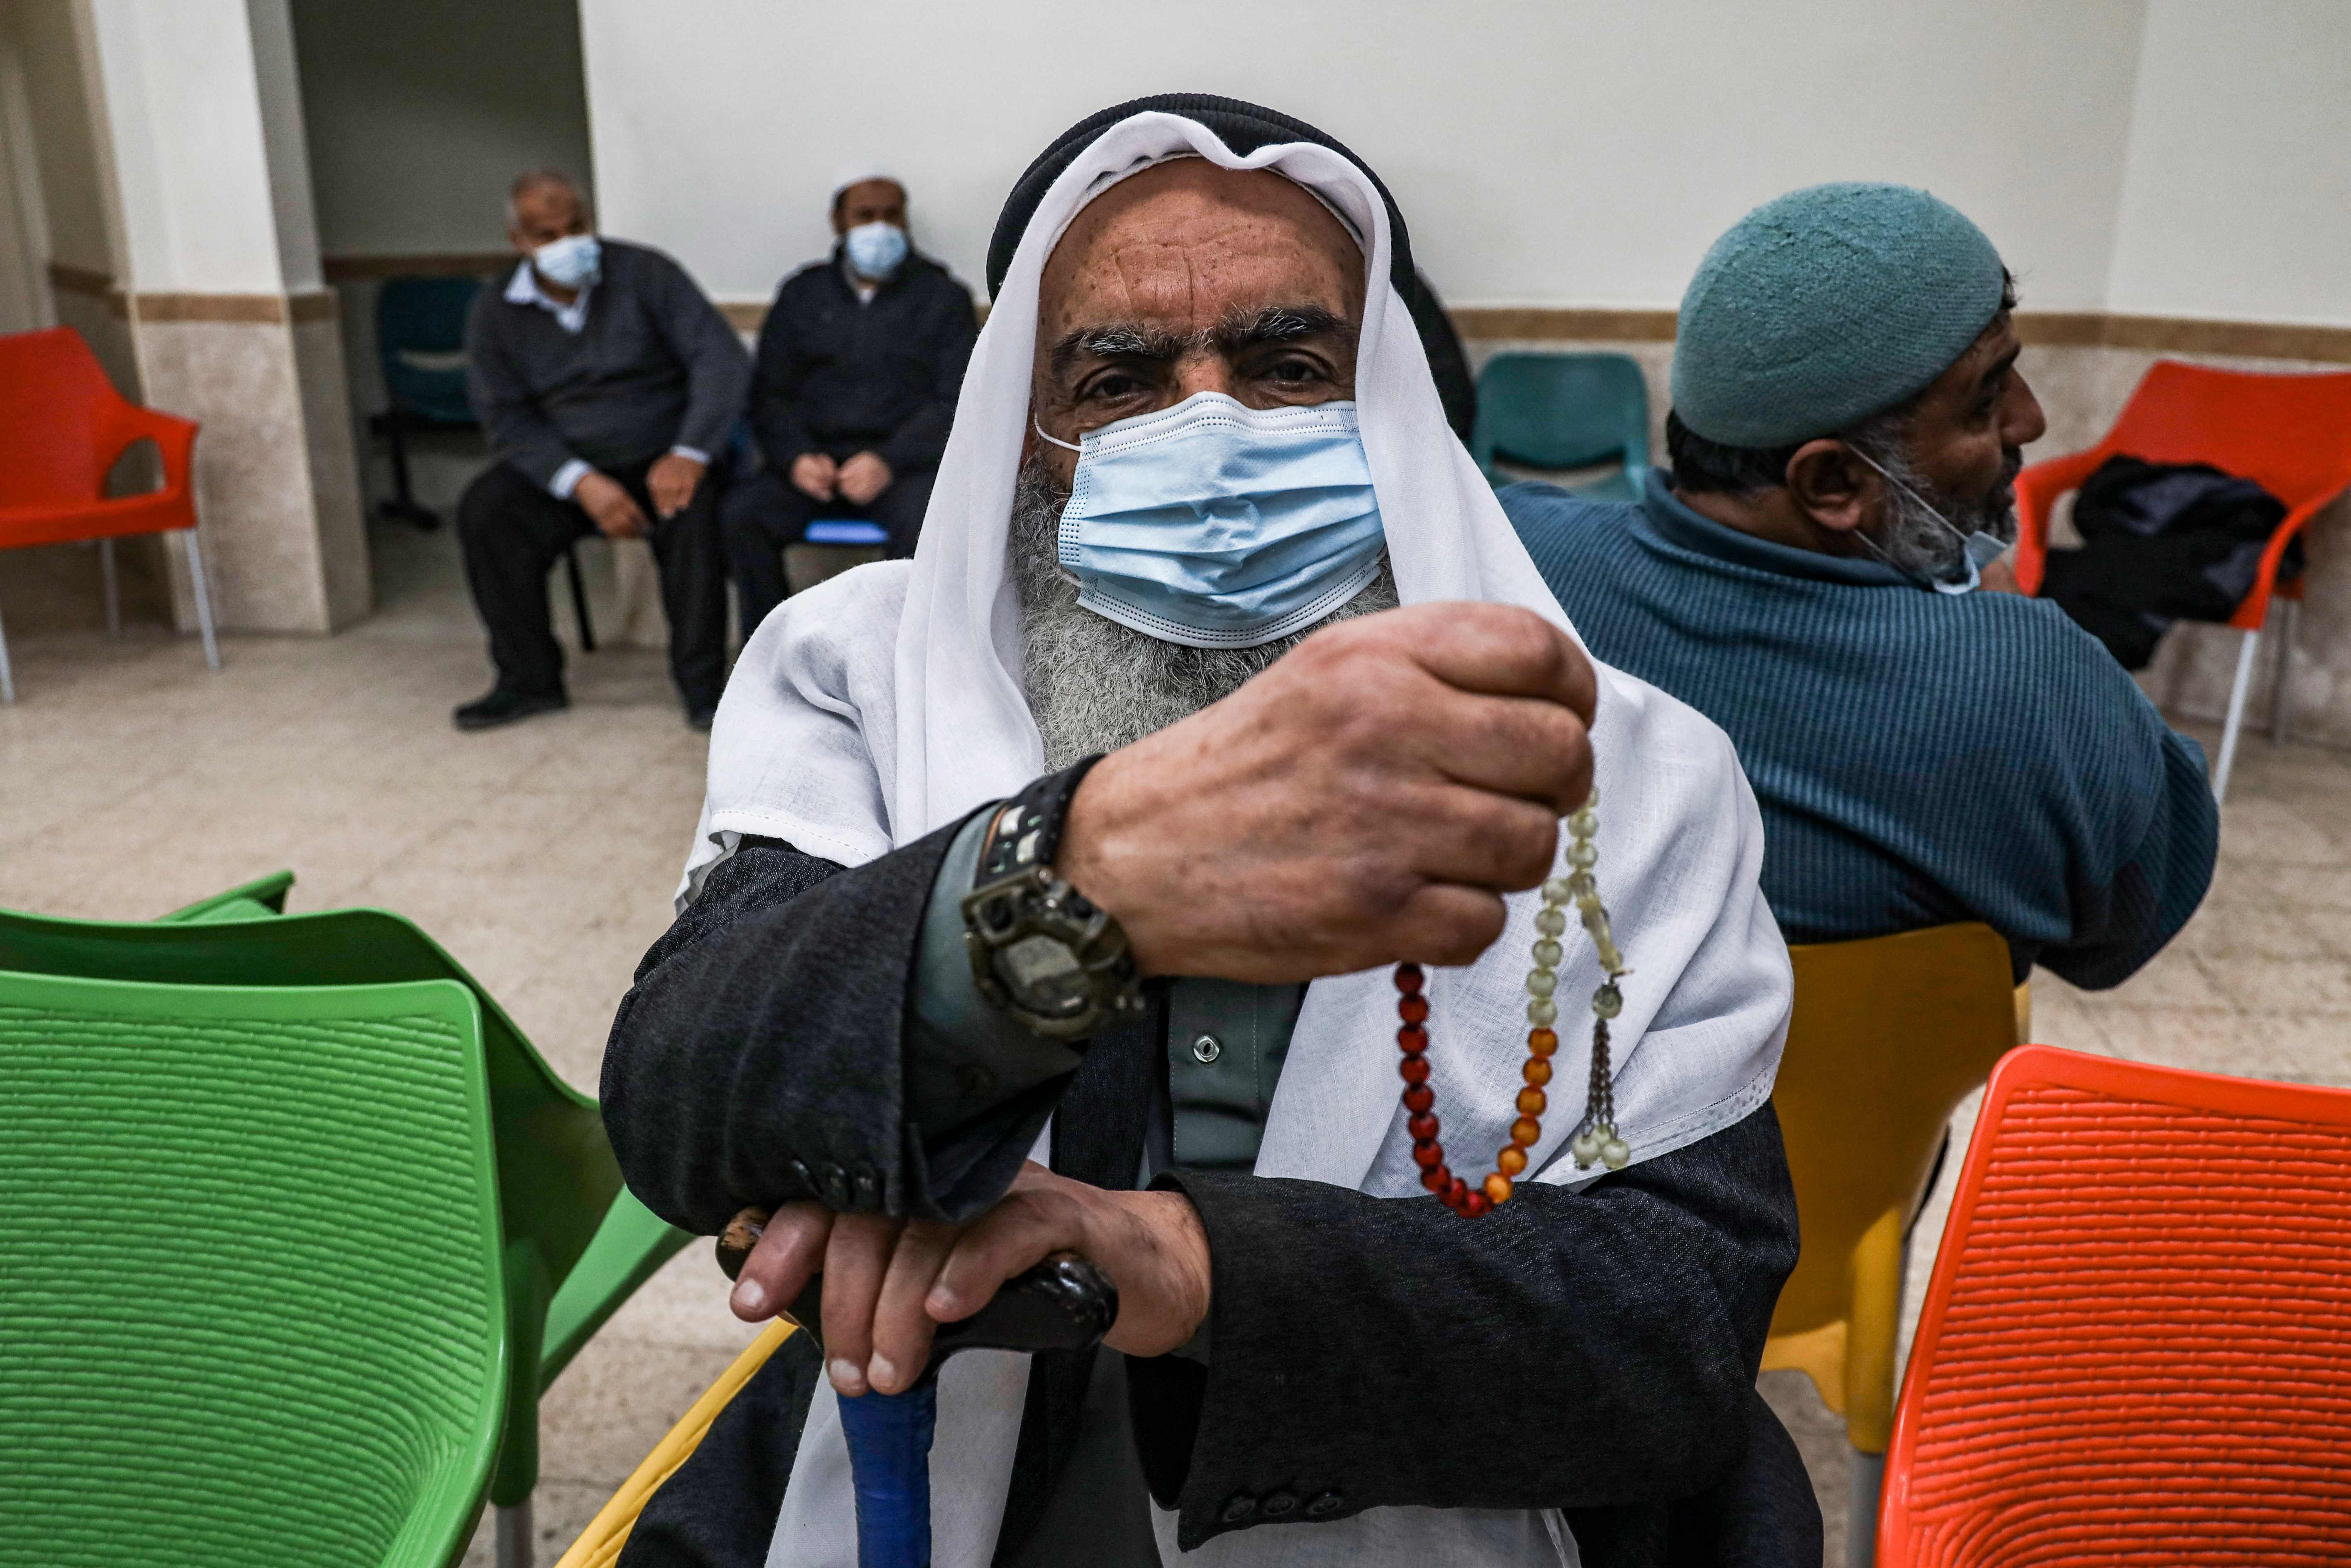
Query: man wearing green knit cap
1848, 424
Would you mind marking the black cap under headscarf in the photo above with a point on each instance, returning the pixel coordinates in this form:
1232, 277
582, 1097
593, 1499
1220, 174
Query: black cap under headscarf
1245, 128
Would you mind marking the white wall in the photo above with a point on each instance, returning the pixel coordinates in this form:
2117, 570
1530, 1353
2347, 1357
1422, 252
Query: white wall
184, 110
1544, 152
421, 114
2237, 201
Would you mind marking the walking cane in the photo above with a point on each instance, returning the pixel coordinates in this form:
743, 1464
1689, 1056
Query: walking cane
1063, 1303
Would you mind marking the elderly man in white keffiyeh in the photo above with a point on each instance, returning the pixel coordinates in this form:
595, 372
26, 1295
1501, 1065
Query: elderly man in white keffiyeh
1201, 516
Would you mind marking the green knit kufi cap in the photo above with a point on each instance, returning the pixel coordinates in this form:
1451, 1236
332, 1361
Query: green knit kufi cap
1824, 307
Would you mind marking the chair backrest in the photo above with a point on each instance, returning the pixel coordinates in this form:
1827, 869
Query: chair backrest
1562, 410
420, 340
1889, 1035
2290, 433
2137, 1347
254, 1311
557, 1175
59, 418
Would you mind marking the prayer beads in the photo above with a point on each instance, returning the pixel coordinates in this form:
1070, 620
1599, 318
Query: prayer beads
1596, 1138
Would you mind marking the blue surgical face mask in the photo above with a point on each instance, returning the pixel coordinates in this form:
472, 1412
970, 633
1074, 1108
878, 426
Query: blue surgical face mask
1219, 526
1977, 549
875, 249
570, 261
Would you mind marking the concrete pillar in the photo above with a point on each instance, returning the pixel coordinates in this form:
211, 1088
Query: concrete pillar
218, 277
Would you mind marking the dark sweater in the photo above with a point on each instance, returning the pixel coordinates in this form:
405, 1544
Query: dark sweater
1919, 759
655, 367
839, 375
1366, 1351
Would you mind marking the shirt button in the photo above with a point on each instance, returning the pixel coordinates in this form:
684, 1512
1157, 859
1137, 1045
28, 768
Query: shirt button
1324, 1506
1207, 1048
1279, 1504
1240, 1508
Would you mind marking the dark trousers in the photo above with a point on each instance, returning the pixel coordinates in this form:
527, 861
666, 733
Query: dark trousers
514, 532
766, 512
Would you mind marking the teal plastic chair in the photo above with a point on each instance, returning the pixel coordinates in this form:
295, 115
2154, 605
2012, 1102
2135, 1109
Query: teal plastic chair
588, 1241
253, 1309
259, 899
1564, 411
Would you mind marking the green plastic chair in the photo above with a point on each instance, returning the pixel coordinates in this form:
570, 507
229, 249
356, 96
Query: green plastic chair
1564, 411
589, 1242
259, 899
253, 1309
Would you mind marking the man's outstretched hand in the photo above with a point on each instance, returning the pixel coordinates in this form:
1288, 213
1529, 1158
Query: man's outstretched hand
888, 1284
1368, 798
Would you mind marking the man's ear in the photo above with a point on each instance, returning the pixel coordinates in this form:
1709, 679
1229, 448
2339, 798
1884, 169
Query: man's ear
1831, 486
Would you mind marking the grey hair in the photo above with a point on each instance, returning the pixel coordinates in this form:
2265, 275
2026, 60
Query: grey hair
1095, 685
540, 179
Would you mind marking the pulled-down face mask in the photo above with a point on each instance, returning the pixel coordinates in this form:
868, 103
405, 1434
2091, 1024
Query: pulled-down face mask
1978, 549
1219, 525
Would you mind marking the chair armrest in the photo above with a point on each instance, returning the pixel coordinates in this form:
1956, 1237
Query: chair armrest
2253, 610
631, 1244
2037, 489
174, 438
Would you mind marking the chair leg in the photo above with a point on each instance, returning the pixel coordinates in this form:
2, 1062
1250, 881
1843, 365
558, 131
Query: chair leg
113, 588
2280, 692
7, 677
402, 504
580, 600
203, 600
514, 1549
1860, 1513
2236, 720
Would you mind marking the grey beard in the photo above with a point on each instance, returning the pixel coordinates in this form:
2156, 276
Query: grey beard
1095, 685
1919, 539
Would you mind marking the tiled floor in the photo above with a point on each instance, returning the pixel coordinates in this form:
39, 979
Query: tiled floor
543, 856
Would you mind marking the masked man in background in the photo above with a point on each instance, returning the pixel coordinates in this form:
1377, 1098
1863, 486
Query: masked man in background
607, 383
1199, 463
860, 361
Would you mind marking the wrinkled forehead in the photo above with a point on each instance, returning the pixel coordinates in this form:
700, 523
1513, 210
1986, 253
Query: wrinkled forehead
1183, 237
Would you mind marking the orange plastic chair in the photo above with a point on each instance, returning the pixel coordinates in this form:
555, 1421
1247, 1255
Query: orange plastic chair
2290, 434
1889, 1035
2137, 1348
62, 428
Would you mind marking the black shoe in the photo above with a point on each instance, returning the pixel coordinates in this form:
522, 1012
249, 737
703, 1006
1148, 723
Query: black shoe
698, 718
503, 706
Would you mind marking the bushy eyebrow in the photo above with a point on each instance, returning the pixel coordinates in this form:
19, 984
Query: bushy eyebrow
1239, 330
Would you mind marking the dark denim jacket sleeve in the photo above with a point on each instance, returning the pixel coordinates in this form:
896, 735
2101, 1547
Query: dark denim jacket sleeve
806, 1032
1591, 1351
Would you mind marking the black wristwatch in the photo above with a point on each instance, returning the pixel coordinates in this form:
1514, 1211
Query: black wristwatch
1039, 950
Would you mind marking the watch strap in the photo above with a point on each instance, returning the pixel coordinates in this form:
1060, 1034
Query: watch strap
1027, 829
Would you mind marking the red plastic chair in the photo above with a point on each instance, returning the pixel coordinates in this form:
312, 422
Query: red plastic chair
2291, 433
62, 428
2137, 1348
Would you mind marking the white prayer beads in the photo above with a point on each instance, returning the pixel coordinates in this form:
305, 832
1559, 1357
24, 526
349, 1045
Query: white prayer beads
1596, 1137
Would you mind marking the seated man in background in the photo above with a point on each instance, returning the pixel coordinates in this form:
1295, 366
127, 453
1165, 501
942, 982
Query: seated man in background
1204, 367
1847, 423
607, 383
860, 362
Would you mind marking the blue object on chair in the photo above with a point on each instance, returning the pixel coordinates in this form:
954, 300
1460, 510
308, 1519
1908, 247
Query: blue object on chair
1564, 411
419, 344
420, 340
844, 531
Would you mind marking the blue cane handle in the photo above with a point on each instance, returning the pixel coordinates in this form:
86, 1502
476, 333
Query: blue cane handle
1063, 1303
889, 1438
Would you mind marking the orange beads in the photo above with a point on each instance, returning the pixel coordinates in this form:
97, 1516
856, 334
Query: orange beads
1464, 1199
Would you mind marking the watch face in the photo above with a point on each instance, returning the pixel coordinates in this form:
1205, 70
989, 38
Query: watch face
1043, 976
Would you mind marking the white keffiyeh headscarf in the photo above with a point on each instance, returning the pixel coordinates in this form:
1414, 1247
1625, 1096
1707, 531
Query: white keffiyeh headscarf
888, 702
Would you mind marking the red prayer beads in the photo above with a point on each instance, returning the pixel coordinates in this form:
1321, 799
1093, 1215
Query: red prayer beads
1457, 1194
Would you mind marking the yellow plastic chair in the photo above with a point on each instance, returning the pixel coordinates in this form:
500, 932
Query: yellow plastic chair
1889, 1034
600, 1544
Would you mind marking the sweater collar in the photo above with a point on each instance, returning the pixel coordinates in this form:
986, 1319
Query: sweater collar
1678, 525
